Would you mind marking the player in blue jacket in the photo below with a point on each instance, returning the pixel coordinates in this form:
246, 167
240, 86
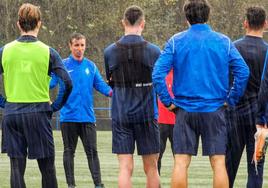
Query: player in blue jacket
200, 59
77, 117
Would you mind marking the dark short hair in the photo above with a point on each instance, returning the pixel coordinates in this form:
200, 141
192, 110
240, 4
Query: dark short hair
256, 17
28, 15
133, 15
76, 36
196, 11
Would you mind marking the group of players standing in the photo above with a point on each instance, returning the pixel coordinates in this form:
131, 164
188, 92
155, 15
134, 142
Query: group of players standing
219, 92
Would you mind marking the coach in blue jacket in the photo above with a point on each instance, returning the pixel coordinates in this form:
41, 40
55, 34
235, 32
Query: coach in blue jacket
77, 116
200, 59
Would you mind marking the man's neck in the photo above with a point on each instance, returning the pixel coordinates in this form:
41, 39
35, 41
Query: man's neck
133, 31
79, 59
31, 33
255, 33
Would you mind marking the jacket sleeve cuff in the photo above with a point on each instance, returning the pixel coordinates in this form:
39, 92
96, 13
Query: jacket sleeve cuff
2, 101
55, 107
231, 102
260, 120
168, 105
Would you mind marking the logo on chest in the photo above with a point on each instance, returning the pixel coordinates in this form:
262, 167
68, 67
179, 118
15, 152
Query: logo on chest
87, 71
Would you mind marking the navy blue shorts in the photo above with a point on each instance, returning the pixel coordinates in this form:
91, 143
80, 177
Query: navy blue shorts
28, 134
145, 134
189, 126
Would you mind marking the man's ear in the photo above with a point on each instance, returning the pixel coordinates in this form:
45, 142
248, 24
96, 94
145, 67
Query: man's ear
39, 24
245, 24
265, 25
142, 24
123, 23
18, 25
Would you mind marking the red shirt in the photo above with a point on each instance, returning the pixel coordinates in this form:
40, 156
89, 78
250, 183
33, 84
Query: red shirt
165, 116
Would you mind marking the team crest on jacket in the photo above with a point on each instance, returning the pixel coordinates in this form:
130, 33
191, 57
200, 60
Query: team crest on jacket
87, 71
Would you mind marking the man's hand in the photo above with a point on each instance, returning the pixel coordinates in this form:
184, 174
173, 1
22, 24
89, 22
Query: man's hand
171, 107
261, 138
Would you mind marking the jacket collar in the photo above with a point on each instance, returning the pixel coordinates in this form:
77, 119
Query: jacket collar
200, 27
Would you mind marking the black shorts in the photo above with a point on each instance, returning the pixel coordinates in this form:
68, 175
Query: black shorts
28, 134
189, 126
145, 134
